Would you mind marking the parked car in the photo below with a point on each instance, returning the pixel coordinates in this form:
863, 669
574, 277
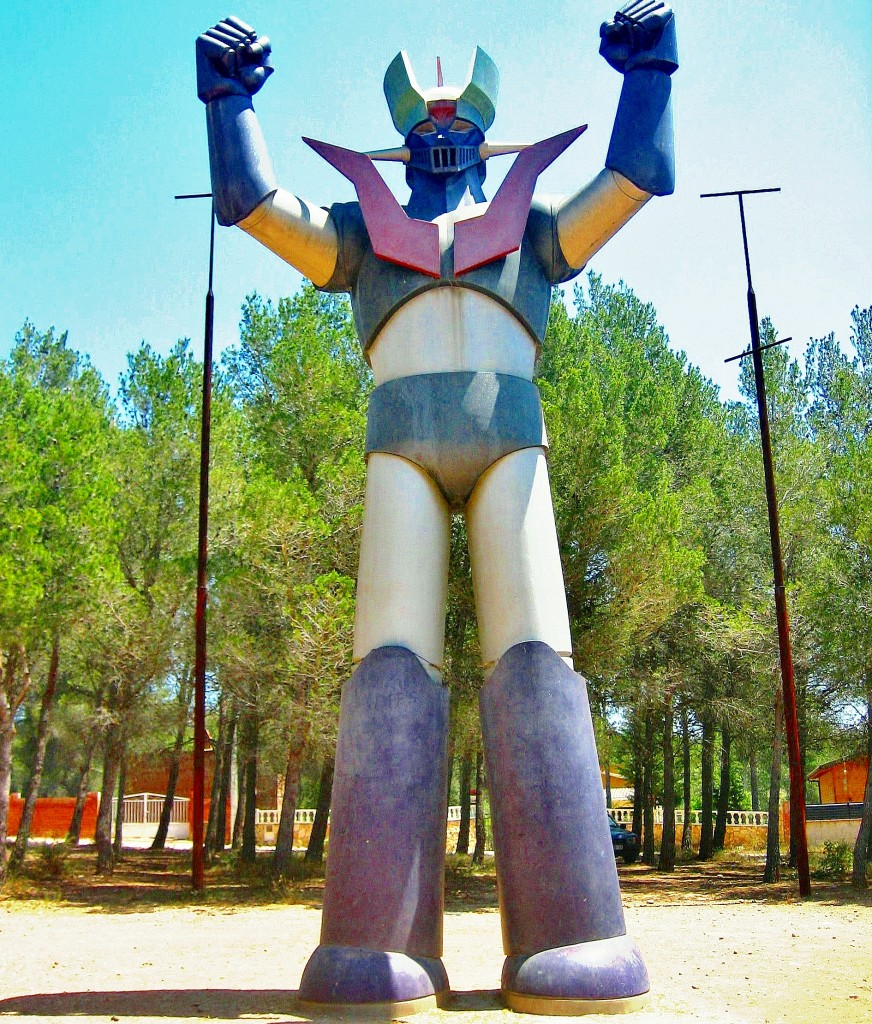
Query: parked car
624, 842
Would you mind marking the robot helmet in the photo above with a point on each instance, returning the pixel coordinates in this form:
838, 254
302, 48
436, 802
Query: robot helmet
443, 126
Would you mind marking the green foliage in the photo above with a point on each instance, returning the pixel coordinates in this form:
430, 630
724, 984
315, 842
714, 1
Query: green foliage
838, 594
624, 416
157, 460
834, 859
658, 495
56, 492
285, 577
300, 378
51, 862
55, 484
739, 798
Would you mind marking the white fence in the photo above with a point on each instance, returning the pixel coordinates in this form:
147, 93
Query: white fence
142, 811
271, 816
624, 816
306, 816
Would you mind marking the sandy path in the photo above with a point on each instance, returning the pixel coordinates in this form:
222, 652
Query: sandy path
712, 961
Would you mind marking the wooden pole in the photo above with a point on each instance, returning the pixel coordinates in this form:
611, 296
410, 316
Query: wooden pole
797, 795
199, 795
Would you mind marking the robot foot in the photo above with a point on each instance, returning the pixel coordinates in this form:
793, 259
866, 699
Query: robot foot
381, 929
372, 982
563, 923
602, 976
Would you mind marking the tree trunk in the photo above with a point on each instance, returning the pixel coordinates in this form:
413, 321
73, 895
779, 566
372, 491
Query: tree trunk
118, 841
211, 843
638, 780
465, 778
166, 811
75, 830
249, 837
772, 871
687, 827
864, 837
183, 699
220, 838
239, 820
648, 791
19, 850
12, 693
755, 788
707, 771
667, 842
284, 851
802, 727
103, 833
480, 828
7, 734
315, 849
607, 762
720, 836
248, 850
210, 847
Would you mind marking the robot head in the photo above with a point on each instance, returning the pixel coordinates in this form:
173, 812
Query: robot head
444, 126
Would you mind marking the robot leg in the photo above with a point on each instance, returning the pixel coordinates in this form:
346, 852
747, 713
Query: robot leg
563, 923
381, 932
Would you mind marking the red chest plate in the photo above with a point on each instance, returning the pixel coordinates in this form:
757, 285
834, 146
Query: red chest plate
412, 243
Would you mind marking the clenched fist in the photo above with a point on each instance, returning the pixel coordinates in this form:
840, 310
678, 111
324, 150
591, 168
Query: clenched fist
232, 60
641, 34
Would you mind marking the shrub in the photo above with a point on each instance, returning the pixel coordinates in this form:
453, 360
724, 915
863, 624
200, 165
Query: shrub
51, 861
835, 859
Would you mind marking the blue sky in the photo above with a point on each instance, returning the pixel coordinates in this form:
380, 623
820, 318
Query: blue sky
102, 127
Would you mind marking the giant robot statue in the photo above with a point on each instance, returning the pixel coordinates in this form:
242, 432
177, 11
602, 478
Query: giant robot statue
450, 297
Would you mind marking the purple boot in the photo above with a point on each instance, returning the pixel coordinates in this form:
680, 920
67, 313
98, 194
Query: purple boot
381, 930
563, 922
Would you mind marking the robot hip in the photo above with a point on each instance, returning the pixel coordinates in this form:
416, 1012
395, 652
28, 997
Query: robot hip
456, 425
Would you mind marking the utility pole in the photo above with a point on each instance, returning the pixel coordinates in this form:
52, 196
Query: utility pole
797, 794
197, 813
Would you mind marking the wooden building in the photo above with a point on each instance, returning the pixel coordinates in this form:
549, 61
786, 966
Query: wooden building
841, 782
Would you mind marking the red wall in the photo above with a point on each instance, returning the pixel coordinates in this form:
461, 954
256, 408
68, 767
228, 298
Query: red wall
52, 816
151, 774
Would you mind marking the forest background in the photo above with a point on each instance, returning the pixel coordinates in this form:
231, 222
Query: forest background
658, 493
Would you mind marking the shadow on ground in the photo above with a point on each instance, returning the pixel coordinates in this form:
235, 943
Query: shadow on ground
207, 1003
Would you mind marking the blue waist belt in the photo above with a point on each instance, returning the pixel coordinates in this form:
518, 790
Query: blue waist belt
454, 425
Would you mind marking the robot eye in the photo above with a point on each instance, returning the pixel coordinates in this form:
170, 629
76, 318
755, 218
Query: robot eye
462, 126
425, 128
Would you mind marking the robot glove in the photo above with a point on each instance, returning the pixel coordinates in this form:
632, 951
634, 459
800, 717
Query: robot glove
232, 60
641, 35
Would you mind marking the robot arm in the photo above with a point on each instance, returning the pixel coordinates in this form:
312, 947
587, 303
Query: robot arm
232, 64
640, 43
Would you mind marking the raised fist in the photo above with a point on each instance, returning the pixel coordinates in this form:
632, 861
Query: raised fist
641, 34
232, 60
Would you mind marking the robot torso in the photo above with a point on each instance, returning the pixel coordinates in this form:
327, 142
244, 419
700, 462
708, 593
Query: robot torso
453, 356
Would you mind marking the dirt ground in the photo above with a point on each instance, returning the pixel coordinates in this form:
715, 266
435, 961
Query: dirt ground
719, 947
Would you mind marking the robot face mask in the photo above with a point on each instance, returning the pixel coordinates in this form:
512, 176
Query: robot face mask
444, 127
445, 148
